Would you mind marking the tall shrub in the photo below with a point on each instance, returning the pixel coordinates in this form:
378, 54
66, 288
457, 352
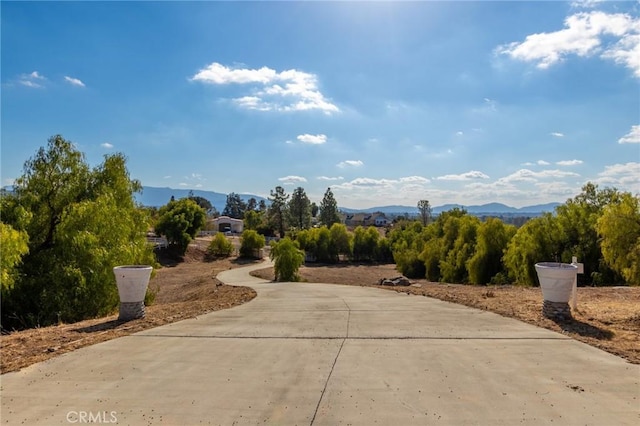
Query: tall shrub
287, 260
251, 243
220, 246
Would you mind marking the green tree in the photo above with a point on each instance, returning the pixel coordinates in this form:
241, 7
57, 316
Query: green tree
220, 246
365, 243
201, 201
431, 255
287, 260
251, 243
424, 208
253, 219
322, 239
13, 245
493, 237
306, 240
314, 209
536, 241
454, 264
252, 204
278, 210
444, 243
300, 209
80, 223
619, 228
329, 209
578, 237
235, 207
383, 252
340, 241
406, 241
179, 222
106, 239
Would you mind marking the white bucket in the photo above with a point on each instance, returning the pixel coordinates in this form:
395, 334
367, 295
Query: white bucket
556, 280
132, 281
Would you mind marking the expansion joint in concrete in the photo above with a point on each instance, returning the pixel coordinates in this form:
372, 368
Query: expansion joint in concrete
326, 383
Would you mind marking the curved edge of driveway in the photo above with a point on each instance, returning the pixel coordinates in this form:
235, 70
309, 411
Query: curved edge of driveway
242, 276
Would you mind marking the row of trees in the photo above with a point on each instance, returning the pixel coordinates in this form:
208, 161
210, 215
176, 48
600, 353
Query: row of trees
330, 245
285, 211
180, 220
599, 226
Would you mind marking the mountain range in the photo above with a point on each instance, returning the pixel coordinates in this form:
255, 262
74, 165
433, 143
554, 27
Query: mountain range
156, 197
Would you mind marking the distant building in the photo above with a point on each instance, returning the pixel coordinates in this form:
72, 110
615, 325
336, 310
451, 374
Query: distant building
227, 224
365, 219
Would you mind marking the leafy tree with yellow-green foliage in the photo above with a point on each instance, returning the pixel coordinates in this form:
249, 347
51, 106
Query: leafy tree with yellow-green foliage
180, 221
13, 245
619, 228
79, 222
287, 259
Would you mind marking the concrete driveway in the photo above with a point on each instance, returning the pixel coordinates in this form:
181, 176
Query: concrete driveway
322, 354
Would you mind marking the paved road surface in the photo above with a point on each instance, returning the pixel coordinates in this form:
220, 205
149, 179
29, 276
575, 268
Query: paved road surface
322, 354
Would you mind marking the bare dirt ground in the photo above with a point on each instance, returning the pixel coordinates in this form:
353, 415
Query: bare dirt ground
608, 318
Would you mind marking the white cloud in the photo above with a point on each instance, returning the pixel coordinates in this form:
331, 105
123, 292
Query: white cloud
312, 139
526, 175
473, 174
583, 35
414, 179
386, 183
73, 81
586, 4
106, 145
291, 180
390, 187
327, 178
183, 184
632, 137
624, 176
289, 90
372, 182
33, 79
528, 164
569, 162
167, 177
459, 133
557, 134
555, 174
350, 163
542, 163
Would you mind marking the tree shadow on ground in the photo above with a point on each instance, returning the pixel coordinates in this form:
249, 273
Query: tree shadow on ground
103, 326
584, 329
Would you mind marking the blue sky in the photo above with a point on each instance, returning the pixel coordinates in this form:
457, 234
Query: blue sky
386, 103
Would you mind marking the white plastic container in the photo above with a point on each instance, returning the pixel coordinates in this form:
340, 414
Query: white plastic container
556, 280
132, 281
